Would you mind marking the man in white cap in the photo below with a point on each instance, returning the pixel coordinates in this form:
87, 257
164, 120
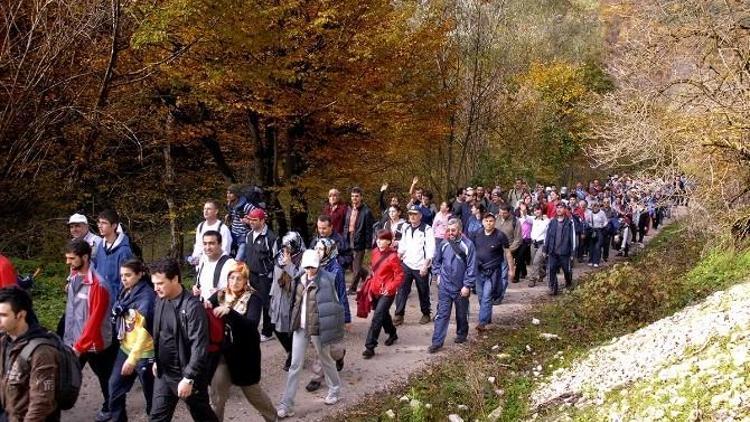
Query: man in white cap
78, 225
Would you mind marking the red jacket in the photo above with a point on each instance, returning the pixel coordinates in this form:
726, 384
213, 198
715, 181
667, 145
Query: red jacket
7, 272
388, 275
337, 216
551, 206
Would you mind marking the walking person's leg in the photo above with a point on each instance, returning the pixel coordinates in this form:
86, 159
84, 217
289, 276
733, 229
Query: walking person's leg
423, 290
329, 369
462, 318
119, 386
219, 392
258, 398
299, 345
484, 296
442, 318
403, 295
164, 402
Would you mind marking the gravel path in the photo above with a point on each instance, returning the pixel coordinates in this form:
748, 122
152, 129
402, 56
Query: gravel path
391, 365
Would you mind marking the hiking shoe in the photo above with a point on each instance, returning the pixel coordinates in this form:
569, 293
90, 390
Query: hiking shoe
497, 301
398, 320
481, 327
425, 319
284, 412
331, 399
312, 386
459, 340
102, 416
391, 339
434, 348
265, 338
368, 353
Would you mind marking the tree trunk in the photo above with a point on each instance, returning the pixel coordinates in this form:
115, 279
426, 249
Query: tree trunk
176, 247
213, 147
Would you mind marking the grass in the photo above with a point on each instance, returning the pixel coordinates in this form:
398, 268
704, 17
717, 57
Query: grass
654, 284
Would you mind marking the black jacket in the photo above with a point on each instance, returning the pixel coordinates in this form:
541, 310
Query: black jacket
241, 347
192, 336
362, 228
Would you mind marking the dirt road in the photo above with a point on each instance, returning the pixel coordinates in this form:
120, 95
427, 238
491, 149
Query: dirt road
360, 377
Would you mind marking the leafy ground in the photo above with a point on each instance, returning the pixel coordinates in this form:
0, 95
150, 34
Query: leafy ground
501, 370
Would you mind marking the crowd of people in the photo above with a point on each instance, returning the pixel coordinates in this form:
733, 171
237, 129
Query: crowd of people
131, 321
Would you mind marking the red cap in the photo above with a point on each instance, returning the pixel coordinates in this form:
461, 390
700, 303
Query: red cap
257, 213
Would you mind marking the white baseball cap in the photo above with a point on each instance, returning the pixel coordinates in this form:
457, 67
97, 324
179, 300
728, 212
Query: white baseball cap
310, 258
78, 219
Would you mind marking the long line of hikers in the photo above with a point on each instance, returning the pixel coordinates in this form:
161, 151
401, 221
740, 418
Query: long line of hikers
130, 321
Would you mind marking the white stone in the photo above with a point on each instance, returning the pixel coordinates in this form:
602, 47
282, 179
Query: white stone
390, 414
549, 336
535, 321
495, 415
455, 418
463, 407
491, 380
428, 406
495, 347
415, 404
404, 399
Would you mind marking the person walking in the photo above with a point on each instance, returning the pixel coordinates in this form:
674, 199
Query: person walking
240, 307
387, 277
287, 268
78, 225
559, 245
538, 234
416, 249
27, 388
358, 234
211, 222
113, 250
181, 337
317, 318
455, 267
132, 317
261, 247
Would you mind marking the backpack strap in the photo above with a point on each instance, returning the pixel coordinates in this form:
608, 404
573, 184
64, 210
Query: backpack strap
200, 227
217, 270
30, 347
457, 250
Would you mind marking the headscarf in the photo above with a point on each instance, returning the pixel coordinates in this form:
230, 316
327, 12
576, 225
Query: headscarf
330, 251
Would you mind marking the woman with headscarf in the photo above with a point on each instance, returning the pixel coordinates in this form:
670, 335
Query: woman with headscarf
285, 271
240, 307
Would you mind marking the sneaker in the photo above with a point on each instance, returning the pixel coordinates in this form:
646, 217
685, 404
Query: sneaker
312, 386
391, 339
434, 348
497, 301
102, 416
590, 264
331, 399
398, 320
596, 265
264, 338
284, 412
459, 340
425, 319
368, 353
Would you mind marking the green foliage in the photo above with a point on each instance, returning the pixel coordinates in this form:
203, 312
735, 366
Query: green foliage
48, 294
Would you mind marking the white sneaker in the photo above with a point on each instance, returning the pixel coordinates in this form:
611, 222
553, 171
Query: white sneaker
331, 399
282, 412
264, 339
596, 265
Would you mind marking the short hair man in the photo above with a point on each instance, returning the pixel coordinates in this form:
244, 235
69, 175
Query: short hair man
88, 329
27, 391
180, 347
238, 208
211, 222
323, 229
262, 244
358, 234
455, 266
214, 268
416, 249
559, 245
511, 227
112, 252
78, 225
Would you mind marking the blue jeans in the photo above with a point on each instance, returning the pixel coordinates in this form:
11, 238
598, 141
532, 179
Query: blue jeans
443, 315
500, 283
485, 284
120, 385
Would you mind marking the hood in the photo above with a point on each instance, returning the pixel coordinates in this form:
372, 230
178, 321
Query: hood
122, 240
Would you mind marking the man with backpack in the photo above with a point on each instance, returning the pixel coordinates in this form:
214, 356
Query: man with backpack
30, 364
211, 223
88, 329
238, 207
262, 244
181, 340
213, 271
416, 249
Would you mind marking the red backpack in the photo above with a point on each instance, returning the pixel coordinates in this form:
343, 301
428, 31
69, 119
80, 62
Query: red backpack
215, 331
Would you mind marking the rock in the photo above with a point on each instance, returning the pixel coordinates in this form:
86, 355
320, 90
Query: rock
502, 356
390, 414
495, 347
455, 418
549, 336
528, 348
463, 407
499, 392
415, 404
495, 415
404, 399
535, 321
428, 406
491, 380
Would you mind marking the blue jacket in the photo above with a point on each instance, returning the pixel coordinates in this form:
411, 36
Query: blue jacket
454, 271
568, 233
334, 267
108, 260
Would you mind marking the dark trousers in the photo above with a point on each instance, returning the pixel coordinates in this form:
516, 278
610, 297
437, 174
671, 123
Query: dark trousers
643, 224
522, 258
286, 342
423, 289
555, 263
120, 385
606, 240
358, 270
381, 319
583, 246
263, 285
446, 301
165, 400
595, 251
101, 363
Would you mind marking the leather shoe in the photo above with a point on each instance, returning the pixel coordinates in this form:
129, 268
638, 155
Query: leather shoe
434, 348
391, 339
312, 386
398, 320
425, 319
368, 353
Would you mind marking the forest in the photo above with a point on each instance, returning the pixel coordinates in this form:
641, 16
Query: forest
152, 106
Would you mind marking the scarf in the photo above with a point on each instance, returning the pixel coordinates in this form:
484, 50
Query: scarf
140, 298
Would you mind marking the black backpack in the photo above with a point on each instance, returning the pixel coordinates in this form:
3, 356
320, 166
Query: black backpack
69, 369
